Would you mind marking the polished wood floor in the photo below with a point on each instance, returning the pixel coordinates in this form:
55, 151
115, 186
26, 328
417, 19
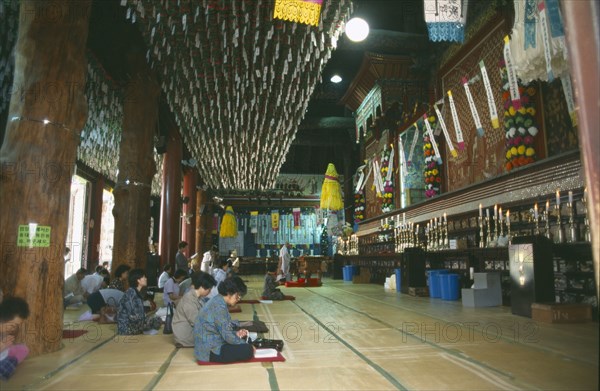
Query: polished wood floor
340, 336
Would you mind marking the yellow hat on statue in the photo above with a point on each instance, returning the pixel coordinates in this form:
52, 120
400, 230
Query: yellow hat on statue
331, 195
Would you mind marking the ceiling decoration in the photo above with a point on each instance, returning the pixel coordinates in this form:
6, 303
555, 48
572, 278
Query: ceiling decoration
237, 81
101, 135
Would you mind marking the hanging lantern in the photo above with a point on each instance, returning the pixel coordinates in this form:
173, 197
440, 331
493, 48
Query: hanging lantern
446, 19
229, 224
331, 195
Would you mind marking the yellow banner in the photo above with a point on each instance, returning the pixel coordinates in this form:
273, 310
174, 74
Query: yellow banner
300, 11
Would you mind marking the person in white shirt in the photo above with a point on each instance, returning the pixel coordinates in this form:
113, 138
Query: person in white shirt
93, 282
208, 259
220, 274
166, 274
284, 259
171, 289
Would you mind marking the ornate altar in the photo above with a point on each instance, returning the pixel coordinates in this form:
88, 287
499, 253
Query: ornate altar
307, 265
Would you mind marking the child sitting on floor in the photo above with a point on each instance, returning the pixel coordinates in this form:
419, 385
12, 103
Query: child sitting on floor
270, 290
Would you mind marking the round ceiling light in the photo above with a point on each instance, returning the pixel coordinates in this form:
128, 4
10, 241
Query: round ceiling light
336, 79
357, 29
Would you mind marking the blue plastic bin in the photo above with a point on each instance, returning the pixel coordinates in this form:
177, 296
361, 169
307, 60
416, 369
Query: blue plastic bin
433, 281
449, 285
348, 272
398, 279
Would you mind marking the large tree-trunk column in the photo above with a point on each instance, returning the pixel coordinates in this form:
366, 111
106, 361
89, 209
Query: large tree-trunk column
188, 224
136, 167
200, 220
170, 200
47, 111
581, 28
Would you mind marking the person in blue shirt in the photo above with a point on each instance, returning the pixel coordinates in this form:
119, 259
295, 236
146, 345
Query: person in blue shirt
215, 335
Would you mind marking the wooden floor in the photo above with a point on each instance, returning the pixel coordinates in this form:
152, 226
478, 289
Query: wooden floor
340, 336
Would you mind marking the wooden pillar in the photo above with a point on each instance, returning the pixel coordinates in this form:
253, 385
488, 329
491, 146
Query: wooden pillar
583, 42
95, 226
201, 209
136, 165
47, 111
170, 200
188, 229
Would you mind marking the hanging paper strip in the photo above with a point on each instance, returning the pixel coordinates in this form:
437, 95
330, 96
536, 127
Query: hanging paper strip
438, 157
215, 229
414, 143
565, 79
473, 108
377, 181
530, 22
402, 159
556, 25
490, 96
388, 176
546, 40
360, 171
513, 82
275, 220
457, 129
254, 222
296, 214
369, 170
446, 135
300, 11
445, 19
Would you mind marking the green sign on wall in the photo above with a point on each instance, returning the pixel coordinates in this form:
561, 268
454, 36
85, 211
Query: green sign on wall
41, 236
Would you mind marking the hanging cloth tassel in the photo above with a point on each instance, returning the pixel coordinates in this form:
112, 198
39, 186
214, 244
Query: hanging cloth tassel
228, 224
414, 143
473, 108
490, 96
446, 135
331, 196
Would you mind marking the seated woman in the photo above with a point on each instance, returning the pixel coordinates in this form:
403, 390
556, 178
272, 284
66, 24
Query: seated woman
131, 317
270, 290
215, 338
187, 310
220, 274
120, 279
164, 277
171, 292
98, 300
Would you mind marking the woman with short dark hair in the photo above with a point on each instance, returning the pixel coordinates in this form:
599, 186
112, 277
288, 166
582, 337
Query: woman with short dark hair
215, 338
131, 316
121, 277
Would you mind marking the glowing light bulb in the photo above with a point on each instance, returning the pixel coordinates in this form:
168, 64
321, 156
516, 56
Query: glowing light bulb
357, 29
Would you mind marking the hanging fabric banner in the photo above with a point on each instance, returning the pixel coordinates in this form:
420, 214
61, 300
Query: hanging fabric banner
275, 220
445, 19
473, 108
556, 25
296, 214
530, 23
388, 175
546, 40
565, 79
300, 11
254, 222
513, 82
446, 135
402, 159
457, 129
490, 96
414, 143
438, 157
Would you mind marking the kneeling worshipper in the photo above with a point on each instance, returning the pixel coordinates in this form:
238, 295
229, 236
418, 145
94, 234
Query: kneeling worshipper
131, 316
215, 338
188, 308
270, 290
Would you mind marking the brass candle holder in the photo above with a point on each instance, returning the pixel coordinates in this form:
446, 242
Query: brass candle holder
560, 237
587, 236
508, 236
446, 239
572, 227
481, 235
546, 217
489, 232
